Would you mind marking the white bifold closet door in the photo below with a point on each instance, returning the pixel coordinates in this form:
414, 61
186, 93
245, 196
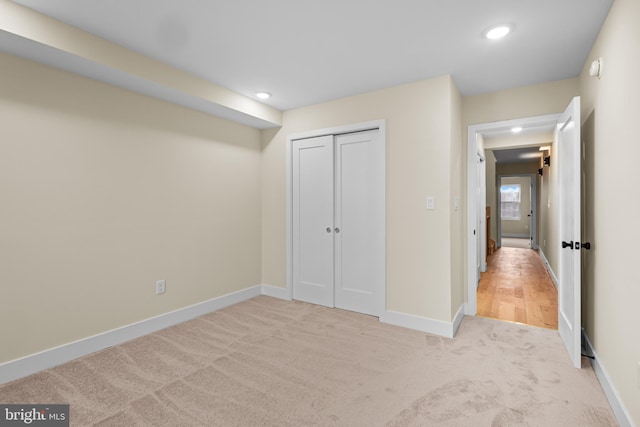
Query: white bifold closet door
338, 221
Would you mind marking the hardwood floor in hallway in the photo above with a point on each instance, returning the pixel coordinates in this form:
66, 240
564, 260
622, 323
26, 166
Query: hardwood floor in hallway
517, 287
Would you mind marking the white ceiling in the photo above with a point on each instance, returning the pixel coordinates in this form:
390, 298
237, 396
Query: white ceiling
305, 52
518, 155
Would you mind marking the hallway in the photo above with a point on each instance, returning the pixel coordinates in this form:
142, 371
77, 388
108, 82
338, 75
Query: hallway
517, 287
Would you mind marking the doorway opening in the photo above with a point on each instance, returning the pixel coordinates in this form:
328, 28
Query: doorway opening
485, 141
516, 285
516, 203
560, 232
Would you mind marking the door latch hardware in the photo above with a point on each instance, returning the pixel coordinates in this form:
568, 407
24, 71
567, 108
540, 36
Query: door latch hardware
586, 245
567, 245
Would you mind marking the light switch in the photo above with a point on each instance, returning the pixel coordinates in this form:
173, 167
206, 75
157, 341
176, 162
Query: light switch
431, 203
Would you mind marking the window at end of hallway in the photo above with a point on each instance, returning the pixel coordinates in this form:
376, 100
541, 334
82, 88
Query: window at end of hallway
510, 202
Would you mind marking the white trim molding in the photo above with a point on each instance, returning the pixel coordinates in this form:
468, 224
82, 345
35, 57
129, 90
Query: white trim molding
276, 292
618, 408
50, 358
425, 324
31, 364
458, 318
554, 278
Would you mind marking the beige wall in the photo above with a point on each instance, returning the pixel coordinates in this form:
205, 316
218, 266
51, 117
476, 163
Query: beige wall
549, 215
420, 121
104, 192
518, 228
528, 101
610, 111
523, 140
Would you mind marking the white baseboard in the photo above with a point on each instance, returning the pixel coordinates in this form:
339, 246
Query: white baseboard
424, 324
276, 292
457, 319
46, 359
516, 236
549, 269
19, 368
619, 410
436, 327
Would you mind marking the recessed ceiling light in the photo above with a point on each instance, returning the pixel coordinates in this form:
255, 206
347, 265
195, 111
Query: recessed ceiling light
263, 95
545, 148
498, 32
516, 129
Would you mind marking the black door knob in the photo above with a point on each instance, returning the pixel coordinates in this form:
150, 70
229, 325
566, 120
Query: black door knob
567, 245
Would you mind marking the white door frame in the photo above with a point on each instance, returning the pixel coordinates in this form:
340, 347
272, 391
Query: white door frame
481, 172
357, 127
472, 215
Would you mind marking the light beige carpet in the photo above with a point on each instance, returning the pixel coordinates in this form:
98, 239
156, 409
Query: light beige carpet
267, 362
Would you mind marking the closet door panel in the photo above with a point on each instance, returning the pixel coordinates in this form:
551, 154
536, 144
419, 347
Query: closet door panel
313, 222
359, 244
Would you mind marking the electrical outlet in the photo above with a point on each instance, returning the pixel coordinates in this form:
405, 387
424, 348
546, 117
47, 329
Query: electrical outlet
161, 286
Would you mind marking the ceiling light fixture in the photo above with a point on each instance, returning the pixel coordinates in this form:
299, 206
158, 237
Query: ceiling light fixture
545, 148
263, 95
530, 155
516, 129
498, 32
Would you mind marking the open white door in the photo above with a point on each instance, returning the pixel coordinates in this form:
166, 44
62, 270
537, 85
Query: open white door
569, 324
